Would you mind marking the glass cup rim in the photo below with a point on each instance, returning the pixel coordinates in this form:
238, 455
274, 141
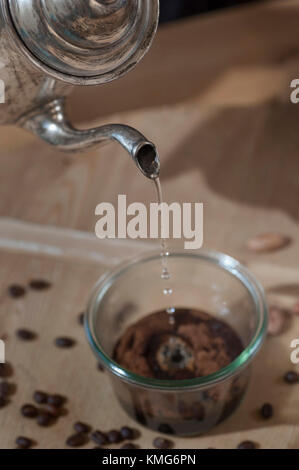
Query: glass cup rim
224, 261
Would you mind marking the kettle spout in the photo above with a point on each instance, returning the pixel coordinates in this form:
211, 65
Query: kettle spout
50, 124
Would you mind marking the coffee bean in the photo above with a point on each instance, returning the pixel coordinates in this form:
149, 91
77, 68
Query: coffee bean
53, 410
277, 321
267, 242
127, 433
161, 443
56, 400
267, 411
247, 445
101, 367
39, 284
77, 440
82, 427
129, 445
165, 428
3, 402
99, 438
44, 418
81, 317
6, 370
40, 397
29, 411
6, 388
16, 291
64, 342
291, 377
24, 442
114, 437
25, 335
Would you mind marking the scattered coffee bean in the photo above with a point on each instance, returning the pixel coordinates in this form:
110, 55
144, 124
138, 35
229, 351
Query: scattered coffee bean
101, 367
24, 442
6, 388
44, 418
129, 445
166, 429
82, 427
162, 443
267, 411
81, 317
77, 440
16, 291
40, 397
291, 377
267, 242
64, 342
247, 445
29, 411
39, 284
99, 438
6, 370
25, 335
3, 402
127, 433
53, 410
114, 437
277, 321
56, 400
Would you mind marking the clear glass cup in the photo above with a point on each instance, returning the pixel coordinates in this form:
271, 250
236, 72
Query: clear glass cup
209, 281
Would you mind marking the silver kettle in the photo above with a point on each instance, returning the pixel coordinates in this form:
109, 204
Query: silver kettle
49, 46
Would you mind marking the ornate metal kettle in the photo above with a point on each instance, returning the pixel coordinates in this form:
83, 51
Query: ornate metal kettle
48, 46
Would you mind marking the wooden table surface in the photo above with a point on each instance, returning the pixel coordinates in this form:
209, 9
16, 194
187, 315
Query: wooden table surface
213, 94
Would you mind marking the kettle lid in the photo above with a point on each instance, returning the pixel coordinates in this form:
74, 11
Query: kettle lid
86, 41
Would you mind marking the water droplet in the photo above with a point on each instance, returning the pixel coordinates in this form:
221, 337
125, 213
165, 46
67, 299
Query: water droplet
170, 310
165, 274
167, 291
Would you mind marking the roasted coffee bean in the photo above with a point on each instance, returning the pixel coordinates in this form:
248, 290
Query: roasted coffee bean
16, 291
114, 437
64, 342
29, 411
56, 400
53, 410
40, 397
44, 418
39, 284
267, 242
82, 427
161, 443
277, 321
291, 377
3, 402
77, 440
81, 317
6, 370
25, 335
247, 445
129, 445
24, 442
267, 411
165, 428
99, 438
6, 388
127, 433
